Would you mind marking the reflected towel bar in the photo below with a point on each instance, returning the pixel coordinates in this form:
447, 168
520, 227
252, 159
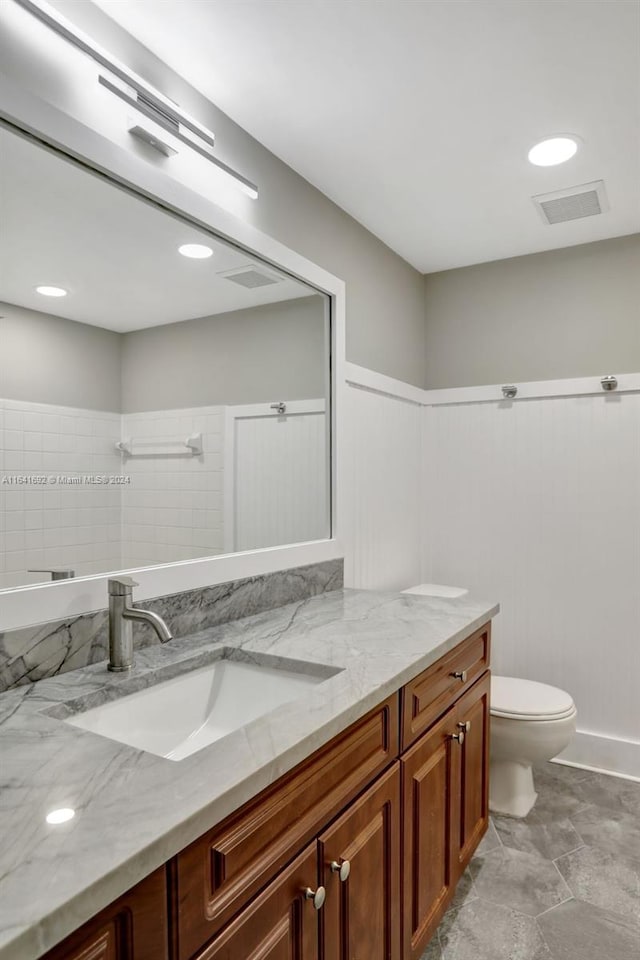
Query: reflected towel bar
158, 447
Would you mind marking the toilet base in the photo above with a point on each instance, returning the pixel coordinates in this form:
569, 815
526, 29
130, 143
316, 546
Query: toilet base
511, 789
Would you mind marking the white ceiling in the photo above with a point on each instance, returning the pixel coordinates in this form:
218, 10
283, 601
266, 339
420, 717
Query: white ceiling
416, 117
115, 254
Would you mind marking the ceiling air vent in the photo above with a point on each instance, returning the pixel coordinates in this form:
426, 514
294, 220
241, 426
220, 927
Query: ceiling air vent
574, 203
250, 277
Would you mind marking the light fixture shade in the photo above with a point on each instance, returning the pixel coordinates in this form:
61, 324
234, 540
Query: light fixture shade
145, 98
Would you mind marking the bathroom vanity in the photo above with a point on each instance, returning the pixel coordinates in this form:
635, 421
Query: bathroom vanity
340, 832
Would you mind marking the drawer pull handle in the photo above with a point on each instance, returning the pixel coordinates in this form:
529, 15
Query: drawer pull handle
465, 725
318, 896
342, 868
459, 737
460, 675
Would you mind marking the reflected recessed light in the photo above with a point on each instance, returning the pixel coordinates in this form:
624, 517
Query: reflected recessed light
554, 150
197, 251
61, 815
51, 291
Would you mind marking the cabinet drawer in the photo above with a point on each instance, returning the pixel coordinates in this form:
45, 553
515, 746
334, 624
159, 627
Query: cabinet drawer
223, 869
426, 697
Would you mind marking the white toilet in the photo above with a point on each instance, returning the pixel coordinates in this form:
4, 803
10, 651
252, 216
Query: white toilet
529, 722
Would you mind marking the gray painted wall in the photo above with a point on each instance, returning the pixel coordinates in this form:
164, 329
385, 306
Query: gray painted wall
564, 313
273, 352
385, 299
48, 359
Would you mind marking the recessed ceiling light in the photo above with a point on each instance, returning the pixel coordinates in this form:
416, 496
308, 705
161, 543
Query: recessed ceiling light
554, 150
51, 291
197, 251
61, 815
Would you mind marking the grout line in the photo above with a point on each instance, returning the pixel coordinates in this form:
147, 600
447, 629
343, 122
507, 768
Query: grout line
554, 907
568, 853
507, 908
571, 897
497, 833
543, 938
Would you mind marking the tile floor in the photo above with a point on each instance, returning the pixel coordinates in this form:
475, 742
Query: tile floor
562, 884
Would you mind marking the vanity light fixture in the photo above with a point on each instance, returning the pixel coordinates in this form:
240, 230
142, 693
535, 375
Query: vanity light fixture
196, 251
553, 150
62, 815
137, 93
51, 291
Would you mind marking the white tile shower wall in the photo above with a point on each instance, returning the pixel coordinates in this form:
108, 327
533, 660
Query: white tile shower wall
172, 508
57, 523
537, 504
382, 501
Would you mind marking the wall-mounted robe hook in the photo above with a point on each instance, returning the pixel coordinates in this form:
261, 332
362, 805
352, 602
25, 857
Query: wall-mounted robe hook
509, 391
609, 383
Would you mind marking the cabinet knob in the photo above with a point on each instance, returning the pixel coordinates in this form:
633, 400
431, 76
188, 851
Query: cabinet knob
465, 725
460, 675
318, 896
459, 737
342, 868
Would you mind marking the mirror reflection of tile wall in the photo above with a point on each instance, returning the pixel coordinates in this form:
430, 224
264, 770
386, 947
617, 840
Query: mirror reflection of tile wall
120, 400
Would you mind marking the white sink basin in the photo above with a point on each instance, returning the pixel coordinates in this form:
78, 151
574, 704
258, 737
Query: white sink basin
180, 716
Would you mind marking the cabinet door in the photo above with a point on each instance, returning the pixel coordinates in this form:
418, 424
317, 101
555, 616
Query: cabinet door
278, 924
132, 928
224, 869
473, 719
430, 784
361, 915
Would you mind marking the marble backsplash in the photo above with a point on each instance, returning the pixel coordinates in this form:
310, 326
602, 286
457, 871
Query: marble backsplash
47, 649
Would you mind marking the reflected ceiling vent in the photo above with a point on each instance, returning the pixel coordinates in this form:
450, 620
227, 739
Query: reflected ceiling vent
574, 203
250, 277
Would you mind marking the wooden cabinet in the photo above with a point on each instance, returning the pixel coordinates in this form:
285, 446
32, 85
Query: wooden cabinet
361, 916
429, 786
221, 871
427, 696
279, 924
445, 812
132, 928
359, 919
472, 716
402, 795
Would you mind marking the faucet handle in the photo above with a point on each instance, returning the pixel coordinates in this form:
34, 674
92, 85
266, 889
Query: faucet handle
121, 586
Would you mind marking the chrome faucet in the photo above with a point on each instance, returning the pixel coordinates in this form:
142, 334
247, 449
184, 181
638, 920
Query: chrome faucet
121, 613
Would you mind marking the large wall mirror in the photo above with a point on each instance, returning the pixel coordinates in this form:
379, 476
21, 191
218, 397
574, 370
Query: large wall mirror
164, 395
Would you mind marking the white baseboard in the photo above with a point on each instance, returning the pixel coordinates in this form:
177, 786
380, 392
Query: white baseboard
592, 751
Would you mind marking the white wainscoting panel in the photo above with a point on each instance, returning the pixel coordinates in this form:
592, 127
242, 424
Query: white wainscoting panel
382, 501
276, 477
536, 504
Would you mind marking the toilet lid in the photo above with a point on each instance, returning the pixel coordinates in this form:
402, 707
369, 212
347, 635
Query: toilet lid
528, 700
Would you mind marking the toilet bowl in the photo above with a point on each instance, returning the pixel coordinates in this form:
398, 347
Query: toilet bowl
530, 722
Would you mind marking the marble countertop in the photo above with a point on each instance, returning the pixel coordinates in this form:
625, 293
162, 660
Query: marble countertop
135, 810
